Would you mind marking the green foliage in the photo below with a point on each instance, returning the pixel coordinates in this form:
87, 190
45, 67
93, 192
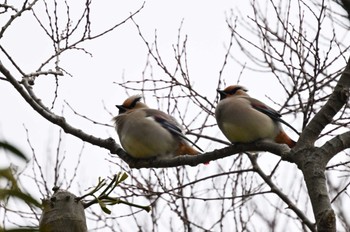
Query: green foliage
15, 151
12, 190
104, 198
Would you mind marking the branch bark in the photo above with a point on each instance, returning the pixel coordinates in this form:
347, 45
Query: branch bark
114, 148
62, 212
313, 167
312, 161
337, 100
280, 194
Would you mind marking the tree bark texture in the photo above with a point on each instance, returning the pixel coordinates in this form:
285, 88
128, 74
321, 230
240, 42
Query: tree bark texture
62, 213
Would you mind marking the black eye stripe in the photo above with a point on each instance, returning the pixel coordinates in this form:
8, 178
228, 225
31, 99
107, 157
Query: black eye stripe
234, 90
133, 103
121, 108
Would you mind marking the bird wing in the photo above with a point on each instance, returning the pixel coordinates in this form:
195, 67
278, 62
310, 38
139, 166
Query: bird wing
168, 123
273, 114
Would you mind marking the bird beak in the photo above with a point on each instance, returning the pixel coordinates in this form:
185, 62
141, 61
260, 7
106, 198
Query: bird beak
222, 94
121, 108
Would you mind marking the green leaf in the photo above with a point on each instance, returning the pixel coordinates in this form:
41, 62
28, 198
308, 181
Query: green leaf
4, 193
7, 174
121, 178
103, 207
13, 149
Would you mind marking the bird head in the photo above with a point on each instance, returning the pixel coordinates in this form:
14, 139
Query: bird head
232, 90
130, 103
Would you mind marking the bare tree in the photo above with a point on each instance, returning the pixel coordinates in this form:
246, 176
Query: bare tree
300, 44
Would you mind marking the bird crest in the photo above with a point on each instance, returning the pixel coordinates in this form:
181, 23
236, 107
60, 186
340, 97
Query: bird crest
130, 103
232, 90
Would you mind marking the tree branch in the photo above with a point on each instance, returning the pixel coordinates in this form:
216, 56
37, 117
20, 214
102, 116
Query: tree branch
277, 149
114, 148
36, 104
15, 16
280, 194
336, 101
336, 145
313, 168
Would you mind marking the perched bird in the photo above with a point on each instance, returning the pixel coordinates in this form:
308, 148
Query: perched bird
244, 119
146, 133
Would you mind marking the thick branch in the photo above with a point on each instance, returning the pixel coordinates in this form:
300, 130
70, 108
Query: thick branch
280, 194
312, 161
268, 146
114, 148
335, 145
337, 100
346, 6
313, 168
61, 212
36, 104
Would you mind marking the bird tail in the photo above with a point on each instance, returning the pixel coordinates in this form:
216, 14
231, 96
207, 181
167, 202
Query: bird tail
282, 137
185, 149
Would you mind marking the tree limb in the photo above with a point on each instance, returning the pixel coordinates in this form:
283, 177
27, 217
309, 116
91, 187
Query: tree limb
335, 145
280, 194
336, 101
114, 148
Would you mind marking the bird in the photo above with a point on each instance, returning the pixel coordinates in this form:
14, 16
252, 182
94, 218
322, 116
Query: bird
244, 119
145, 133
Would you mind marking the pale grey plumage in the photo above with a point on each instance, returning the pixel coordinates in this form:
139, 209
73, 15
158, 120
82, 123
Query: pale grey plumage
244, 119
145, 132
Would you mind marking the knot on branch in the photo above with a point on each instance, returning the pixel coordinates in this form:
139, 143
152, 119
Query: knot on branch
327, 221
344, 94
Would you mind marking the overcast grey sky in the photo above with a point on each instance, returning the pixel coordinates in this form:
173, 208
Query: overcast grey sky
119, 54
